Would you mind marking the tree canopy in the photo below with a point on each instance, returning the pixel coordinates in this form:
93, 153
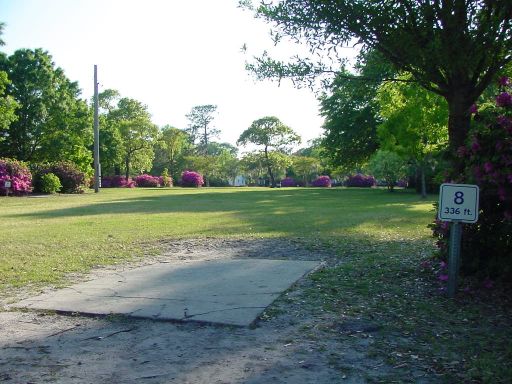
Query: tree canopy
453, 48
8, 107
52, 122
136, 132
351, 112
414, 125
200, 128
269, 132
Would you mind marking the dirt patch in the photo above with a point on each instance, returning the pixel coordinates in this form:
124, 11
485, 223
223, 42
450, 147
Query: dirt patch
288, 344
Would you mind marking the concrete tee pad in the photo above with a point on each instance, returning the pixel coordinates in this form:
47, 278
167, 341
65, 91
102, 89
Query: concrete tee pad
220, 291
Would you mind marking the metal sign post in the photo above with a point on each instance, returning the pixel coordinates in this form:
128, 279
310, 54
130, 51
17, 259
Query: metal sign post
458, 203
454, 257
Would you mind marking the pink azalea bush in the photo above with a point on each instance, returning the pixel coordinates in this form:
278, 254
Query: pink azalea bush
322, 181
117, 182
487, 155
191, 179
360, 180
147, 181
288, 182
18, 173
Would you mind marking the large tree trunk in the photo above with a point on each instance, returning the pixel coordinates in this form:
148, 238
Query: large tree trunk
459, 120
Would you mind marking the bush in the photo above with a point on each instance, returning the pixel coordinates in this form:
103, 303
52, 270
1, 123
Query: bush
218, 182
71, 178
191, 179
116, 182
361, 181
165, 179
18, 173
322, 181
50, 183
487, 156
147, 181
289, 182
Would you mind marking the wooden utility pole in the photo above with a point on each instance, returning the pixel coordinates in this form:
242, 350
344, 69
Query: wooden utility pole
96, 134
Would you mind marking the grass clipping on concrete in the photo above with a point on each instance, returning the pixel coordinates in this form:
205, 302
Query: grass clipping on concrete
376, 291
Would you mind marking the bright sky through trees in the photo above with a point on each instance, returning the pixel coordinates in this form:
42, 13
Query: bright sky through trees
168, 54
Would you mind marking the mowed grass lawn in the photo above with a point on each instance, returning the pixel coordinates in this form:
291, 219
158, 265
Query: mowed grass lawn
379, 239
45, 237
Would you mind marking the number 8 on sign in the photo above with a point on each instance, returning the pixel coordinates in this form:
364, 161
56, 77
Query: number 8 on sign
458, 202
459, 198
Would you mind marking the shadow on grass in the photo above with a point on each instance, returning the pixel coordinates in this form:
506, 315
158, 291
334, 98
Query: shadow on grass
290, 211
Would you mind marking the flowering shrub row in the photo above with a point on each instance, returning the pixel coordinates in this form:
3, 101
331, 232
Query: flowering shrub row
147, 181
191, 179
288, 182
360, 180
143, 181
322, 181
117, 182
17, 173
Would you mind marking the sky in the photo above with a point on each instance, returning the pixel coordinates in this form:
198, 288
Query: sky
169, 54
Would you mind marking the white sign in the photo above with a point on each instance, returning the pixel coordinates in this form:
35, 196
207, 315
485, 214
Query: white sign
7, 184
458, 202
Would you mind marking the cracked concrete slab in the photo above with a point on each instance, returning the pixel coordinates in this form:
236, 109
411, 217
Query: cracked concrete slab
231, 292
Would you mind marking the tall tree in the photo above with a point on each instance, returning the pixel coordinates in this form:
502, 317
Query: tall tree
228, 163
351, 113
253, 166
52, 123
111, 151
200, 128
305, 167
453, 48
269, 132
137, 133
8, 107
414, 124
172, 146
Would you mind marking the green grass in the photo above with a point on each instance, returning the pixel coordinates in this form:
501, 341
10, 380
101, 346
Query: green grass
45, 238
379, 238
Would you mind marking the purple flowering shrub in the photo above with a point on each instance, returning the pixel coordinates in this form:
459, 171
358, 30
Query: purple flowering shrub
116, 182
360, 180
18, 174
289, 182
72, 179
487, 156
147, 181
322, 181
191, 179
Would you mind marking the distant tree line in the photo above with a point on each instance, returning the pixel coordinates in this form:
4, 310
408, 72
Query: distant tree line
44, 119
